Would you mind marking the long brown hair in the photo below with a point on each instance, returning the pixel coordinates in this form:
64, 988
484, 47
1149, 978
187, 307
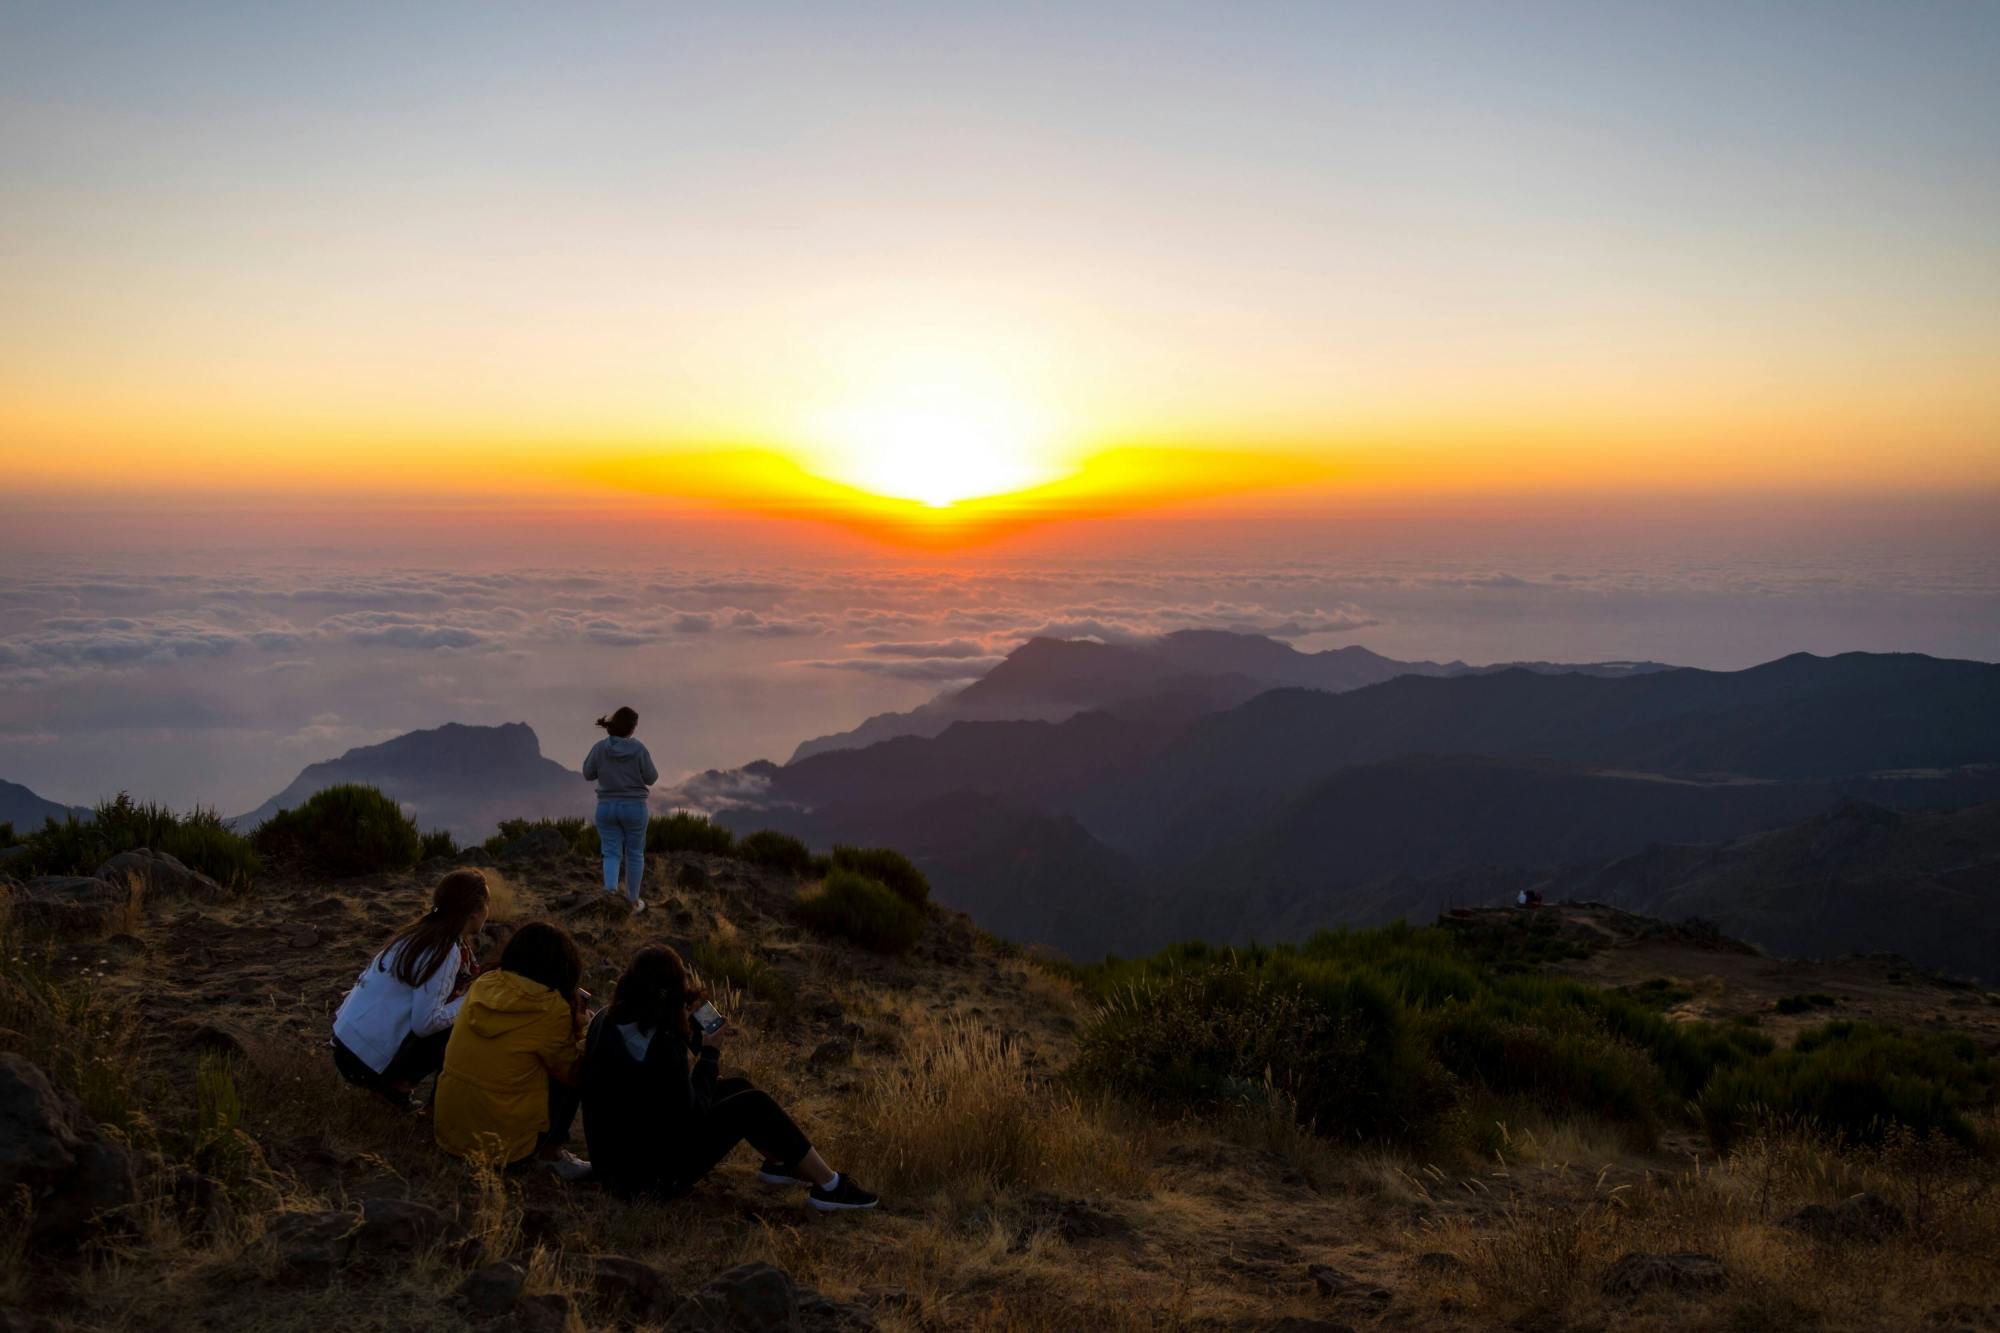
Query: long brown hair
422, 946
656, 992
543, 952
621, 723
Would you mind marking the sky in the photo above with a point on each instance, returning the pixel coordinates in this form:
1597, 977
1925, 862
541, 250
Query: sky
366, 367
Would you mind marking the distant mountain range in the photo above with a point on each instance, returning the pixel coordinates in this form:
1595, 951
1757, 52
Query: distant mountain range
1156, 818
27, 811
1197, 671
457, 777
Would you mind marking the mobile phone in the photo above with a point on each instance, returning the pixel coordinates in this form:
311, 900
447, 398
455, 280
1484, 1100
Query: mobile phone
708, 1018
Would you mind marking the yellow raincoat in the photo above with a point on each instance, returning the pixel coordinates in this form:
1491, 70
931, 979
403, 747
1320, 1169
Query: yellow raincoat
511, 1037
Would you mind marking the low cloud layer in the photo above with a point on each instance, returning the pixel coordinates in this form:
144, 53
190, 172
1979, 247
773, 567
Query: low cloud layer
215, 685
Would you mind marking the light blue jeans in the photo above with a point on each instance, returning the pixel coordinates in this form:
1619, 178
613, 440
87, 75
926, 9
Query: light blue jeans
621, 832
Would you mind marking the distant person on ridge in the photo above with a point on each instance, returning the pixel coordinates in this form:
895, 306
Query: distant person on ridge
507, 1094
623, 772
656, 1125
390, 1031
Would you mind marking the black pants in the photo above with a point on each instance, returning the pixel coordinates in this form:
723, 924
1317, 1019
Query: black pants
741, 1112
564, 1099
415, 1060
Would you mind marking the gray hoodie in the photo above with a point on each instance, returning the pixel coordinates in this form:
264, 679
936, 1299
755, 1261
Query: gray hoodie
621, 768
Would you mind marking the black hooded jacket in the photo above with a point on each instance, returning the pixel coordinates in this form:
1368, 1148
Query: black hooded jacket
638, 1114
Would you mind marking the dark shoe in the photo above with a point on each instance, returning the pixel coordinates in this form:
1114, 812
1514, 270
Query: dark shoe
773, 1174
843, 1197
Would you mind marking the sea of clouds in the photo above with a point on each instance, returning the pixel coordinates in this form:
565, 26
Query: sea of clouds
216, 681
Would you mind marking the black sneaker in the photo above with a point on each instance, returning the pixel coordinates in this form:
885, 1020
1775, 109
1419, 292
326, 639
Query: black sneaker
843, 1197
773, 1174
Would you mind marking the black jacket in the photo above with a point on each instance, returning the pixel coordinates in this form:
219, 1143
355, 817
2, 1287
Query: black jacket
638, 1115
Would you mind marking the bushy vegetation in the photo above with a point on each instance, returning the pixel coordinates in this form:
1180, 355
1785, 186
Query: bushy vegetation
439, 842
775, 851
889, 866
864, 910
348, 829
1801, 1004
742, 969
682, 831
198, 839
1859, 1081
1401, 1033
577, 833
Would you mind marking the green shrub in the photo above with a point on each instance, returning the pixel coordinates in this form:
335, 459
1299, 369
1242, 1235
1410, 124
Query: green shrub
685, 832
578, 833
863, 910
198, 839
438, 842
1800, 1004
7, 838
343, 830
742, 969
891, 867
1858, 1081
777, 851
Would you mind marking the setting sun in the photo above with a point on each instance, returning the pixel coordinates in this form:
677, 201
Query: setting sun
937, 443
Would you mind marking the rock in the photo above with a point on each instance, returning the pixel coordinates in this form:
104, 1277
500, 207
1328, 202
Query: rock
158, 875
1074, 1220
832, 1051
1866, 1217
823, 1314
691, 875
395, 1232
541, 1225
536, 844
302, 936
473, 856
1437, 1263
750, 1298
202, 1201
1328, 1280
74, 905
628, 1290
547, 1313
491, 1290
826, 1010
312, 1247
1300, 1324
74, 1174
219, 1038
1637, 1274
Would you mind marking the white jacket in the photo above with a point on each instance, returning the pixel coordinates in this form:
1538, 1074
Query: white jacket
380, 1011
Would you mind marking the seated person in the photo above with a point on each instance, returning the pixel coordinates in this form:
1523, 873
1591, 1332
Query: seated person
507, 1094
390, 1031
655, 1124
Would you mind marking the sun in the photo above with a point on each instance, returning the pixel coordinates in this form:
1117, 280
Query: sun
938, 443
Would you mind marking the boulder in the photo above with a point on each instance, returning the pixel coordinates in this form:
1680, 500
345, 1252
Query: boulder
76, 1176
750, 1298
1864, 1217
312, 1247
547, 1313
1637, 1274
1328, 1280
383, 1234
832, 1051
491, 1290
627, 1290
1074, 1219
393, 1232
158, 875
70, 905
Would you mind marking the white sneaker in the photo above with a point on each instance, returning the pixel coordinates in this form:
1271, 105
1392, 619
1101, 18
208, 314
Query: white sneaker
568, 1166
638, 906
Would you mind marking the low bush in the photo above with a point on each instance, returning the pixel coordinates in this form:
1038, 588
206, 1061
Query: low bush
863, 910
343, 830
891, 867
1857, 1081
7, 838
776, 851
1801, 1004
199, 840
742, 969
578, 833
438, 842
682, 831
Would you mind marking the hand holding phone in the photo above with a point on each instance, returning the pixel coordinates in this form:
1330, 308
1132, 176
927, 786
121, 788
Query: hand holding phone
707, 1019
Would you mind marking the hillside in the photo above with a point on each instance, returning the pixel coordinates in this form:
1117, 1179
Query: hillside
1048, 679
25, 810
462, 778
940, 1078
1302, 807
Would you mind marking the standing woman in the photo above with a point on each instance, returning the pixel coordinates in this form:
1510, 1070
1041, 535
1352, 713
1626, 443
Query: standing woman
508, 1094
390, 1032
623, 771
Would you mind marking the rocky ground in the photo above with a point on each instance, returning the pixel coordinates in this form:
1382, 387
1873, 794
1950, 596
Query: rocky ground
248, 1188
